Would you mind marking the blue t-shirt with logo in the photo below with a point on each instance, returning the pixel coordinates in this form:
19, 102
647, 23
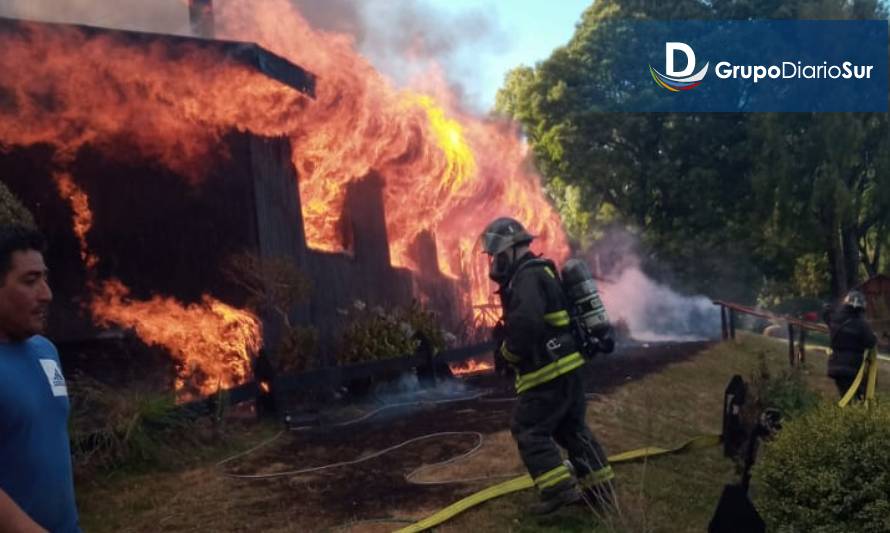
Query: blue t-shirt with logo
35, 457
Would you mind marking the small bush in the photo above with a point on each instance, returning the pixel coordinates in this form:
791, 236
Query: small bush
297, 345
828, 471
115, 427
426, 323
375, 334
786, 391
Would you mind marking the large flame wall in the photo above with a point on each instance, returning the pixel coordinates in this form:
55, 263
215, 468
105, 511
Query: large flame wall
446, 171
151, 113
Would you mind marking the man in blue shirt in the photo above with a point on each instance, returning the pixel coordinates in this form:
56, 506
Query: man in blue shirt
36, 482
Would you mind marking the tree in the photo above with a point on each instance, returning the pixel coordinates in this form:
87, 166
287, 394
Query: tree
677, 178
823, 179
715, 197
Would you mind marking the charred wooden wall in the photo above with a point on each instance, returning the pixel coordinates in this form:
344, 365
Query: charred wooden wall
165, 234
161, 234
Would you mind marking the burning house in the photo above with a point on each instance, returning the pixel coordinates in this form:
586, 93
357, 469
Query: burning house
138, 242
149, 159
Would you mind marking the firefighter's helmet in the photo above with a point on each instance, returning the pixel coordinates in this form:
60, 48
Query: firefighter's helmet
855, 299
502, 234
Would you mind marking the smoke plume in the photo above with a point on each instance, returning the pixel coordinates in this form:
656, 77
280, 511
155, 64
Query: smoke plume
651, 311
411, 40
159, 16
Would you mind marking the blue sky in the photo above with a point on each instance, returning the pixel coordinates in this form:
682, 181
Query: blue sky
534, 28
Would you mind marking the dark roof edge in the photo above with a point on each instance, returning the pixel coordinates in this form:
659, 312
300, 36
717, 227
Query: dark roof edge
250, 54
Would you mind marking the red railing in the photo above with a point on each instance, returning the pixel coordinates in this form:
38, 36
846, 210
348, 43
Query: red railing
796, 354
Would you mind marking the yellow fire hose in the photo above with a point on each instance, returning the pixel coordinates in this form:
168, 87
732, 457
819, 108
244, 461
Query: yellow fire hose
525, 482
870, 366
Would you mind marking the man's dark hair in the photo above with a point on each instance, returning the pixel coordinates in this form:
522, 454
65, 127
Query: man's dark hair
17, 238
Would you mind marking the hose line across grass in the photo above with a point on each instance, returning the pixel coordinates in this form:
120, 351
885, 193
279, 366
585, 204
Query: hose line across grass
517, 483
409, 476
479, 439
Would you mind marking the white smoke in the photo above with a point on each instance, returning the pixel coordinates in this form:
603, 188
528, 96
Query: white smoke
407, 388
411, 41
159, 16
656, 313
651, 311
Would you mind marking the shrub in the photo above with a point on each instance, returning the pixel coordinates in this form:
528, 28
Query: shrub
786, 391
375, 334
115, 427
828, 471
297, 345
426, 323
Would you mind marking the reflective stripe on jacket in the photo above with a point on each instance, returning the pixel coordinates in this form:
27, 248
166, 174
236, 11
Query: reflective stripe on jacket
536, 316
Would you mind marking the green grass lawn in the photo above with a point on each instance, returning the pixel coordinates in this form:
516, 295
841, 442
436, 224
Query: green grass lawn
667, 494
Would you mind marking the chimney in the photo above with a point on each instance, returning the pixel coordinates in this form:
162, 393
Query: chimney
425, 253
201, 18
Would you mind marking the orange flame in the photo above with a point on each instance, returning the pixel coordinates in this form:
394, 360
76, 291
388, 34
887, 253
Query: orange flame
470, 366
83, 217
168, 102
212, 341
76, 89
445, 170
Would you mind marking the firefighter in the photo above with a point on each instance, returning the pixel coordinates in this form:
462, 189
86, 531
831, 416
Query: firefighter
538, 345
851, 336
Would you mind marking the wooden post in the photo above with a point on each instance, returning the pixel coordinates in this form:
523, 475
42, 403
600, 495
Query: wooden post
723, 325
732, 324
802, 346
791, 354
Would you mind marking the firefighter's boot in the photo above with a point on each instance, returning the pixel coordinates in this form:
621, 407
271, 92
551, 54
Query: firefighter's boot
551, 501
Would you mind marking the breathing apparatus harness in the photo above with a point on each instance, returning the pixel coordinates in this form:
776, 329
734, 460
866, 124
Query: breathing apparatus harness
589, 330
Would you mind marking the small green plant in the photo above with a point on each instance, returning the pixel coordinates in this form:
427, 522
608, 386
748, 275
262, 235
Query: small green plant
112, 427
376, 333
786, 391
828, 471
426, 323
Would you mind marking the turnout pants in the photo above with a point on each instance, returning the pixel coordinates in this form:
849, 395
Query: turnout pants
553, 413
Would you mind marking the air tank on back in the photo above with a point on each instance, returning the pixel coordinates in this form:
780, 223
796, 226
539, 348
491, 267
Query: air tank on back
587, 306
